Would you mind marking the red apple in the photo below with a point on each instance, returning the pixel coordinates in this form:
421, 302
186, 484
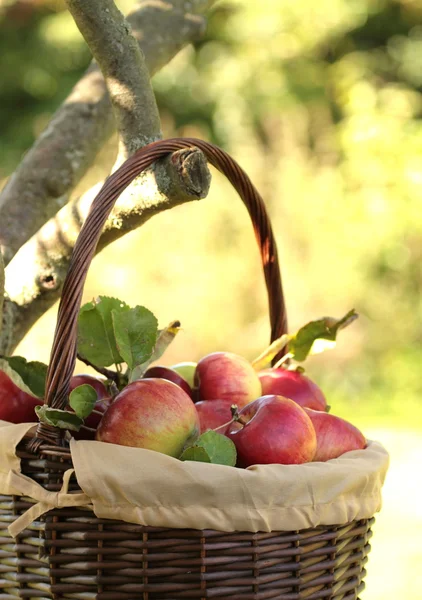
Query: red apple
213, 413
275, 430
227, 376
101, 405
169, 374
335, 436
16, 405
293, 385
154, 414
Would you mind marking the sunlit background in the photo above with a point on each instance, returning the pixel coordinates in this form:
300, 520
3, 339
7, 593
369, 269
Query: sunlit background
321, 104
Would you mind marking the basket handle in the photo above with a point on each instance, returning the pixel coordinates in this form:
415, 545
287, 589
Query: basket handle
63, 353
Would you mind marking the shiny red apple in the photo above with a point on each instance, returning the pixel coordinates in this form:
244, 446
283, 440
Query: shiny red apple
294, 385
213, 413
154, 414
169, 374
16, 405
227, 376
335, 436
273, 429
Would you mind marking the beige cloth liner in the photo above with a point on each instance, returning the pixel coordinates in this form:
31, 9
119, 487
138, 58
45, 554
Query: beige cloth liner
149, 488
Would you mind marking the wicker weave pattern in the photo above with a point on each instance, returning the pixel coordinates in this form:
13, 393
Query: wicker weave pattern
89, 558
94, 558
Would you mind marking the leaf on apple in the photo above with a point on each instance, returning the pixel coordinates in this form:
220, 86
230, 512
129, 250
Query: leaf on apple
318, 336
219, 449
164, 339
58, 418
135, 332
32, 374
82, 399
196, 453
96, 339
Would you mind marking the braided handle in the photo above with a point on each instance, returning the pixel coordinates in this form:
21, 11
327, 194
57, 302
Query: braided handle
63, 353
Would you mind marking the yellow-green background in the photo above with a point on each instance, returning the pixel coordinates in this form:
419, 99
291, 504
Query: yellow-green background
321, 103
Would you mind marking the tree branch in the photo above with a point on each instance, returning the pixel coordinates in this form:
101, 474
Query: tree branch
120, 59
35, 276
63, 153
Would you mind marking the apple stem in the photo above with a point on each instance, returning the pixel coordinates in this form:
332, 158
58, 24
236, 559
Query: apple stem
282, 360
236, 416
113, 389
234, 411
97, 412
241, 420
224, 425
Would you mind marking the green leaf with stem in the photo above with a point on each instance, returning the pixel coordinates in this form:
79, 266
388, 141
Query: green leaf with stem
319, 335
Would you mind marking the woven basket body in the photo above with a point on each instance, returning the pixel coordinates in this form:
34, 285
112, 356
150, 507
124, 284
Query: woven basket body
85, 557
70, 553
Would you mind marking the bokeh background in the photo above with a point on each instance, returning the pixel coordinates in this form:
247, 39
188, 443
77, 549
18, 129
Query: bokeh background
321, 103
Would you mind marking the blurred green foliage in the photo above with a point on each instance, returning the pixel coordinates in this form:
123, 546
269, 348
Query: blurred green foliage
41, 58
320, 102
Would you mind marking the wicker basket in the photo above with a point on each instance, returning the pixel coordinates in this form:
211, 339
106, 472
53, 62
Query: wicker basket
70, 553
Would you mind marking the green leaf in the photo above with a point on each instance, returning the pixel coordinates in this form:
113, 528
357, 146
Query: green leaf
32, 373
164, 339
96, 339
219, 449
196, 453
58, 418
318, 335
135, 332
82, 399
